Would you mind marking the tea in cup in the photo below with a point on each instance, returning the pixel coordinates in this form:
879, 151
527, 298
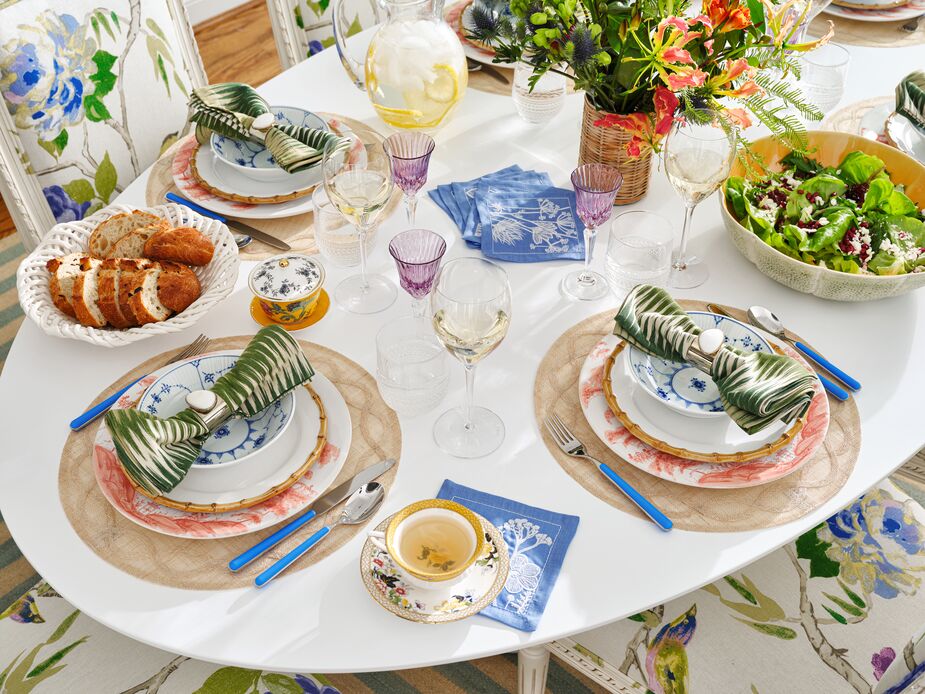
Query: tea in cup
432, 541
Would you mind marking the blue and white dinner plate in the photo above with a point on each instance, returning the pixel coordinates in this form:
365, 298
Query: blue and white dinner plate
254, 160
685, 388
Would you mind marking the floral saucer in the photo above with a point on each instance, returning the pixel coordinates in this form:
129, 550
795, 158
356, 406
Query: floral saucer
459, 599
685, 388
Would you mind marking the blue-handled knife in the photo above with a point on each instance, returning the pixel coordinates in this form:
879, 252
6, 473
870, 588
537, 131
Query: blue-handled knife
233, 223
322, 505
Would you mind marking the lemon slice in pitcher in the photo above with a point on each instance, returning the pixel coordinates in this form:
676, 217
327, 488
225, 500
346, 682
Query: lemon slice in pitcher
399, 117
445, 88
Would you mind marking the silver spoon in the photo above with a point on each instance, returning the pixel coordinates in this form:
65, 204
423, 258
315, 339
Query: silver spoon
763, 318
360, 507
241, 240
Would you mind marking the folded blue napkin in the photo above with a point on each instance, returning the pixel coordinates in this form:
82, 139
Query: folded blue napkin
455, 198
536, 540
472, 229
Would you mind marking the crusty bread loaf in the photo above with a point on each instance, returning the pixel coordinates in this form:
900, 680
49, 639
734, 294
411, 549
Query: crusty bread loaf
130, 278
109, 232
109, 281
132, 245
64, 271
177, 286
86, 294
180, 245
144, 302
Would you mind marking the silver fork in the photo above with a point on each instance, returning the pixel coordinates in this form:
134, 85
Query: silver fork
570, 445
197, 346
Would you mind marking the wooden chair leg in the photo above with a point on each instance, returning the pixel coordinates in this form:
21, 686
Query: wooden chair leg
532, 667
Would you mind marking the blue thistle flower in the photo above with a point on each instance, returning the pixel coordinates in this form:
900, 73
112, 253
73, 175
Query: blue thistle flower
484, 22
580, 47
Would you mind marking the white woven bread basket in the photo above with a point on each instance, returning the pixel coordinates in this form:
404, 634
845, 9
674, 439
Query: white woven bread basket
32, 278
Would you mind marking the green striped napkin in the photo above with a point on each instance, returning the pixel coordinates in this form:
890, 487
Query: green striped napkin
230, 108
157, 453
756, 388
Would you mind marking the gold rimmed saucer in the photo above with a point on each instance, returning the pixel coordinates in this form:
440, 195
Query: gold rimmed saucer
714, 457
462, 598
190, 507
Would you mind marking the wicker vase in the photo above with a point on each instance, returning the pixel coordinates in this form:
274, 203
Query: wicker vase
608, 146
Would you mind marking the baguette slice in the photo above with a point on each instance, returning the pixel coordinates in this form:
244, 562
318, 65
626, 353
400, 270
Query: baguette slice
64, 271
144, 302
132, 245
109, 281
86, 294
177, 286
130, 277
108, 233
180, 245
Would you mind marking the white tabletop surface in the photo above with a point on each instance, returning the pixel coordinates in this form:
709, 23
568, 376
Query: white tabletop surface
321, 619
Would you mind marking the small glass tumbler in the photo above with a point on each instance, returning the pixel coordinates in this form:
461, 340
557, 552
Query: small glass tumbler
638, 251
409, 154
823, 74
412, 367
335, 237
545, 100
417, 254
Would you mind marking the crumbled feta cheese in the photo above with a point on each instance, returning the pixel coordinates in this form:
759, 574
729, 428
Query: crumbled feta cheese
806, 214
768, 204
822, 221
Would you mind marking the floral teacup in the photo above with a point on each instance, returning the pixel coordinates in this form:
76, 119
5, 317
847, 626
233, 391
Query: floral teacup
287, 287
432, 542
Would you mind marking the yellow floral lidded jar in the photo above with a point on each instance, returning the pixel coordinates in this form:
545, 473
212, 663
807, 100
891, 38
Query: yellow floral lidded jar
287, 289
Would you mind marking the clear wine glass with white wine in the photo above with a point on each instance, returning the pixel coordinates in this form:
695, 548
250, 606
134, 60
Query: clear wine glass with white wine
358, 180
698, 157
471, 309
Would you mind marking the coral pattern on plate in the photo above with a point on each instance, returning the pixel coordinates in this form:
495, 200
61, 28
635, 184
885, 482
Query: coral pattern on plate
674, 469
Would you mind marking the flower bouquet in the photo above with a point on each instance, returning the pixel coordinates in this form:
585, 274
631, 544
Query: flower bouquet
642, 63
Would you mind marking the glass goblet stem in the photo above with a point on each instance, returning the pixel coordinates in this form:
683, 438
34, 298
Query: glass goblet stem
586, 276
680, 262
470, 394
419, 306
362, 232
411, 206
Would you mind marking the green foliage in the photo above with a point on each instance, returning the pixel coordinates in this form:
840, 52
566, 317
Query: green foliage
741, 590
835, 615
79, 190
854, 597
230, 680
21, 676
159, 52
775, 630
105, 178
104, 80
810, 547
56, 146
280, 684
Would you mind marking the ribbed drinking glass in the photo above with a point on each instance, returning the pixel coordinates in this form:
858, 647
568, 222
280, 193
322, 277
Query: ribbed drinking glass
409, 155
417, 254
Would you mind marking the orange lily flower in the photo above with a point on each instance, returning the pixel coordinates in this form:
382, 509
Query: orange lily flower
647, 129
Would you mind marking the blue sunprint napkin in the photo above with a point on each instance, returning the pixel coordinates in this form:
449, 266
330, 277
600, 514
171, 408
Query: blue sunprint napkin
529, 223
472, 229
536, 540
454, 198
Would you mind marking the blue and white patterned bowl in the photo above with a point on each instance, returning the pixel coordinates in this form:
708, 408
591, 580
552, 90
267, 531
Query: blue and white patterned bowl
237, 439
682, 387
253, 159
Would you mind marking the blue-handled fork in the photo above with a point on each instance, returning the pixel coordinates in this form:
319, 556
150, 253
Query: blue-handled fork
570, 445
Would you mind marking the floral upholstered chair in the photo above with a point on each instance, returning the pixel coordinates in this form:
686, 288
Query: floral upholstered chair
303, 28
839, 610
92, 92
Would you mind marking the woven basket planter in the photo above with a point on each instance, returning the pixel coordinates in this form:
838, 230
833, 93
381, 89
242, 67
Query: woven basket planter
608, 146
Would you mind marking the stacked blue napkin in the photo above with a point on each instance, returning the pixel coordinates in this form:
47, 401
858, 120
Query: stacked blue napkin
514, 215
536, 540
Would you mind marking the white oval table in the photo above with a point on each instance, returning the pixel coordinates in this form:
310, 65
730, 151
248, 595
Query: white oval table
321, 619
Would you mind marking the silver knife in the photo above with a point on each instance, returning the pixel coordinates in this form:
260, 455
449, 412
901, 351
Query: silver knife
322, 505
257, 234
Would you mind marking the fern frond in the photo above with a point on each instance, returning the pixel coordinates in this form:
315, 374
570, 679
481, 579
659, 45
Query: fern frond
789, 94
785, 127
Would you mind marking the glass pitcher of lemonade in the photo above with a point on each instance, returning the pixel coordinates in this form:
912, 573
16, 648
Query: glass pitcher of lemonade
415, 71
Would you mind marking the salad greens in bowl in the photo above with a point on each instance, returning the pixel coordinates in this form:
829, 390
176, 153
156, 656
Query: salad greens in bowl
844, 223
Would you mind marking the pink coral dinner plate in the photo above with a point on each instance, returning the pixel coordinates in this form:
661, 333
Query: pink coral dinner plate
695, 474
201, 526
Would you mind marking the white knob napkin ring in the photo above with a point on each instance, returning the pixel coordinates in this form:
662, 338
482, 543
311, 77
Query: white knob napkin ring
704, 349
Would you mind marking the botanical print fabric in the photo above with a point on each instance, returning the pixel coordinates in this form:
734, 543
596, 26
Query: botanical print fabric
94, 91
829, 613
48, 646
314, 17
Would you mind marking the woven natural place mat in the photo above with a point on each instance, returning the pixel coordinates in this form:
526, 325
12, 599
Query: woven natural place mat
848, 119
690, 508
297, 231
481, 80
877, 34
203, 564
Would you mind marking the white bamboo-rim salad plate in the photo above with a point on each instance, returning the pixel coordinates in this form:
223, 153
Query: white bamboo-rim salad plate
285, 497
32, 278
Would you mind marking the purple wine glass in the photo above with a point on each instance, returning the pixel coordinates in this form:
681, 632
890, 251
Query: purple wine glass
596, 186
417, 254
409, 153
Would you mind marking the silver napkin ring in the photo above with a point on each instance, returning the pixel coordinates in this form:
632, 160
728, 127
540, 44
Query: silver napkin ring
704, 349
212, 410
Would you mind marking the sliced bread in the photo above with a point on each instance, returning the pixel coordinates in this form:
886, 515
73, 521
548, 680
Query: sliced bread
108, 233
86, 294
130, 277
178, 286
144, 302
64, 270
132, 245
109, 281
